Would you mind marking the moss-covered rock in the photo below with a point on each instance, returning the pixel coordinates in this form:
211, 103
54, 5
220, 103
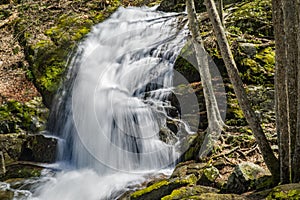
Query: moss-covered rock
206, 196
21, 171
258, 68
192, 145
289, 191
19, 117
184, 192
251, 17
55, 30
186, 168
36, 148
11, 146
205, 173
162, 188
209, 176
244, 177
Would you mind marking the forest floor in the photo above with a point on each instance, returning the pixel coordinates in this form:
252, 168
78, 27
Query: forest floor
14, 83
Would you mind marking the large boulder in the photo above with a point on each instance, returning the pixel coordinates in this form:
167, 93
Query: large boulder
205, 174
245, 177
163, 188
35, 148
21, 171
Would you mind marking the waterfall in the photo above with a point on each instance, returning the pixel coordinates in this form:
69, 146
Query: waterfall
116, 105
110, 112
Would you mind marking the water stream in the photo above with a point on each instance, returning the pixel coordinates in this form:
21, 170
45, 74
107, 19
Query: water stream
109, 113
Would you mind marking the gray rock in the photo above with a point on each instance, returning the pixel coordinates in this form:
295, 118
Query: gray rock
209, 176
39, 148
243, 177
249, 49
36, 148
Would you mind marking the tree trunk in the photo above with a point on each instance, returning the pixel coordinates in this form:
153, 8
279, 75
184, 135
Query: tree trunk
215, 122
282, 126
220, 5
290, 28
268, 155
296, 158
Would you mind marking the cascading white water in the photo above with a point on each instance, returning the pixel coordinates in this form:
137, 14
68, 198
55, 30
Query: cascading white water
124, 59
116, 105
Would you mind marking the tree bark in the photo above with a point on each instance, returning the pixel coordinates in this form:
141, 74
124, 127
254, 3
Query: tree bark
296, 158
220, 5
282, 125
215, 122
290, 28
268, 155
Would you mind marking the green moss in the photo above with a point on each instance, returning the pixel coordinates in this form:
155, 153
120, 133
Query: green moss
150, 188
48, 53
256, 66
194, 144
290, 191
211, 173
189, 180
176, 194
17, 117
267, 56
235, 116
164, 187
252, 17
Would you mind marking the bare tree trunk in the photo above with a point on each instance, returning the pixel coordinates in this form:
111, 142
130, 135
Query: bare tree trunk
282, 125
290, 21
215, 122
220, 8
296, 158
268, 155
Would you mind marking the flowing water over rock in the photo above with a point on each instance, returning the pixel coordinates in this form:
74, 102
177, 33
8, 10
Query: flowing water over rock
110, 112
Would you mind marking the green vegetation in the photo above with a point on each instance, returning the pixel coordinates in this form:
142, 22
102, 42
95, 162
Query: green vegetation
290, 191
252, 17
18, 117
